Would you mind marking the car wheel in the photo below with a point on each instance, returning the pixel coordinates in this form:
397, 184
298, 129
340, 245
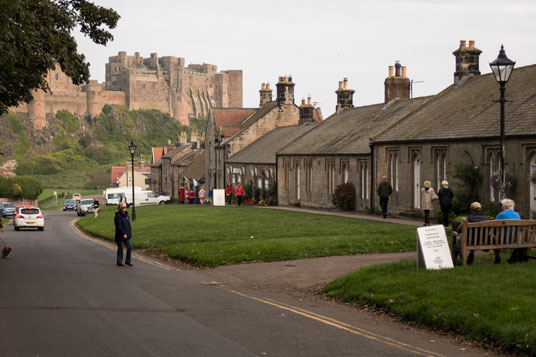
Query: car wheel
41, 228
162, 203
16, 228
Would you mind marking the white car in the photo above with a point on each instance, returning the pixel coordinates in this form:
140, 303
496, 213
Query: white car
29, 217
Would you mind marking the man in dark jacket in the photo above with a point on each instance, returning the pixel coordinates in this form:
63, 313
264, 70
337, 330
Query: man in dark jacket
445, 196
123, 234
384, 191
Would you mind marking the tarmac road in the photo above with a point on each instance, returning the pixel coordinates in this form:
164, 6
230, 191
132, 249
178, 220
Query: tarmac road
63, 295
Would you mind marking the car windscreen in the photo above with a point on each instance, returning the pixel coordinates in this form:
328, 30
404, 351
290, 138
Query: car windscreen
29, 211
10, 205
86, 202
69, 202
114, 195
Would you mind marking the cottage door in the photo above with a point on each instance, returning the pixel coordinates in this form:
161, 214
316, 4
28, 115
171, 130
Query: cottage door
532, 184
416, 182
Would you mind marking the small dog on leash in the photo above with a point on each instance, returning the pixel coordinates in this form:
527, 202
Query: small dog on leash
6, 251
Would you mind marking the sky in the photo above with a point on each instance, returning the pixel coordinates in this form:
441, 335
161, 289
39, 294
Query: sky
321, 42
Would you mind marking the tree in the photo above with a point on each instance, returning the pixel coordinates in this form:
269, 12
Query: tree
36, 36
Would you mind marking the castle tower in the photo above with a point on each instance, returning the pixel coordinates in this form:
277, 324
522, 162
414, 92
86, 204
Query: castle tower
344, 96
397, 85
37, 110
94, 98
467, 61
266, 94
285, 91
306, 112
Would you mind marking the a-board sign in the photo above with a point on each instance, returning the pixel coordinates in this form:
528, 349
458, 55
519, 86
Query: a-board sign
432, 248
219, 197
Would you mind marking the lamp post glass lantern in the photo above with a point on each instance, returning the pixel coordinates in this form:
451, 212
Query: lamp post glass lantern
502, 69
132, 149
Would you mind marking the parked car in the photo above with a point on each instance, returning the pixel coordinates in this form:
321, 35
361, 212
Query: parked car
7, 209
84, 206
69, 204
29, 217
77, 196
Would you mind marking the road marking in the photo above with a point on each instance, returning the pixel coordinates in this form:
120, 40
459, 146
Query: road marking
296, 310
112, 246
340, 325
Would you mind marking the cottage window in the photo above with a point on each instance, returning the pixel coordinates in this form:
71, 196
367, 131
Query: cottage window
364, 180
393, 168
440, 165
286, 167
308, 175
344, 165
330, 165
297, 166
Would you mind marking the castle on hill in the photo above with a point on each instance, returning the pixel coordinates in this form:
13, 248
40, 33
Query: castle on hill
163, 83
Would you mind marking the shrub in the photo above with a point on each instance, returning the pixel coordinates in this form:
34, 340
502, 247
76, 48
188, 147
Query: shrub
257, 194
344, 197
248, 190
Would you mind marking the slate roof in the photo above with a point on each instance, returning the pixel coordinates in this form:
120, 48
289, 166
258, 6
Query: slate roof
467, 110
196, 167
348, 131
228, 120
175, 151
262, 151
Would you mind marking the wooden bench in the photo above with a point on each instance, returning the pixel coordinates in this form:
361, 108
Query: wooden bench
495, 234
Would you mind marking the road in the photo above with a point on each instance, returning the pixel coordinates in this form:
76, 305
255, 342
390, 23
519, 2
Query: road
63, 295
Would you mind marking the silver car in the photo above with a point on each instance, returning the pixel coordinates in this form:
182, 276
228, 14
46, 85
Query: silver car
84, 206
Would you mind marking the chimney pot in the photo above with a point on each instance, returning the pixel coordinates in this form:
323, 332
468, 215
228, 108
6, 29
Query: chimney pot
267, 85
462, 43
340, 84
391, 71
263, 86
309, 100
472, 44
345, 83
303, 101
404, 71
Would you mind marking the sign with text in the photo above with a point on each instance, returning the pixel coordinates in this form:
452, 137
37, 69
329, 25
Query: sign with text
219, 197
432, 248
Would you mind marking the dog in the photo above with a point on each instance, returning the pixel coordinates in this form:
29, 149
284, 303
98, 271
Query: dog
6, 251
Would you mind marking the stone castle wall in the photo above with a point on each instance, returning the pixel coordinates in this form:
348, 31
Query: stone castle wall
141, 83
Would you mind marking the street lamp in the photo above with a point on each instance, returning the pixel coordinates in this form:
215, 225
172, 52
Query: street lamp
132, 148
502, 68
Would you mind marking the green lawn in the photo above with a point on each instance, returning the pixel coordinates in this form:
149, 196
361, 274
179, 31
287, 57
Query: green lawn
214, 236
484, 302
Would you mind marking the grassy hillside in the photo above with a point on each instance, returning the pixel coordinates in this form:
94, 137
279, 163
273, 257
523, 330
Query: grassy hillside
78, 151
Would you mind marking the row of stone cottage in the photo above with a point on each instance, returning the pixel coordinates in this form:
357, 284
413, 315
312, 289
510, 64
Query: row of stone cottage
410, 140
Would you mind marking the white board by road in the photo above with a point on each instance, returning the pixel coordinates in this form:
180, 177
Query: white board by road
432, 248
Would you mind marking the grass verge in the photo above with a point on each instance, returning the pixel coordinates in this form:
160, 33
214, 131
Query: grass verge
484, 302
213, 236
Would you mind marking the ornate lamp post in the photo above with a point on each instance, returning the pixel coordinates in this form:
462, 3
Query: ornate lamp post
502, 68
132, 148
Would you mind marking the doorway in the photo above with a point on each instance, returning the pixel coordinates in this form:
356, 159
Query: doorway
416, 182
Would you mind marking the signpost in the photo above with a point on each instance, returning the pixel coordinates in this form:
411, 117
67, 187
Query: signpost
432, 248
219, 197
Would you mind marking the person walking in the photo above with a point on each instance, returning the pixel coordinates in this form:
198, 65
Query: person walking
427, 196
445, 195
229, 192
239, 192
123, 234
202, 195
384, 191
96, 206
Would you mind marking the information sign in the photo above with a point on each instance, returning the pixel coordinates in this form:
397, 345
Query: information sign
432, 248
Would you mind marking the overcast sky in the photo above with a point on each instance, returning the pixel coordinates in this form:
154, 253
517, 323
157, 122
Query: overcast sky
321, 42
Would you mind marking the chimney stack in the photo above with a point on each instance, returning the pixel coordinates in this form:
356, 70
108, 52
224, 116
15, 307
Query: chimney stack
142, 163
266, 94
306, 112
467, 61
397, 86
285, 91
344, 96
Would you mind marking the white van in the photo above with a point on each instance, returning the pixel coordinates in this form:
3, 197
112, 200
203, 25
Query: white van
143, 196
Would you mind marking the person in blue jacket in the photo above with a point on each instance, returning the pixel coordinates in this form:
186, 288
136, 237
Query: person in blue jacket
123, 234
508, 212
